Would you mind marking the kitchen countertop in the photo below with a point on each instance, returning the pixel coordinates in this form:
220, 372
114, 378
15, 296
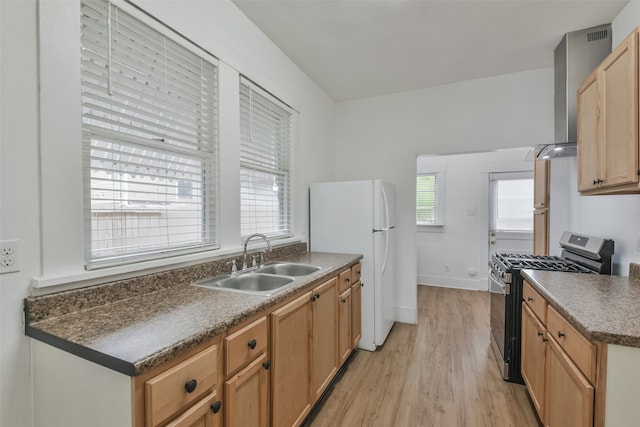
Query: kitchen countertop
136, 334
603, 308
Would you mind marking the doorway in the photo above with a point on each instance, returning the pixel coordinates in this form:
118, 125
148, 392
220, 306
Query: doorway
510, 212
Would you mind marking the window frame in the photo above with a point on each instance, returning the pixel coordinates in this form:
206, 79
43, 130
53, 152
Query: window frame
201, 149
439, 221
281, 164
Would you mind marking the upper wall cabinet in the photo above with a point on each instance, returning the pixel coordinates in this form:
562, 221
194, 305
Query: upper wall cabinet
608, 124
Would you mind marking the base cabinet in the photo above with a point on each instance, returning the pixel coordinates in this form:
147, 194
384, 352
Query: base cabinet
324, 336
205, 413
569, 396
291, 352
534, 349
246, 396
557, 362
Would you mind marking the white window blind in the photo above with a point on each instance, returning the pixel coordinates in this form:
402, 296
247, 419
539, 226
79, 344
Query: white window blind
265, 163
149, 132
427, 199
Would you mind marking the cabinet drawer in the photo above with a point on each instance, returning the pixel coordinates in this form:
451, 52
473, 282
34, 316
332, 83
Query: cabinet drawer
535, 301
356, 272
205, 413
344, 281
244, 345
577, 347
168, 393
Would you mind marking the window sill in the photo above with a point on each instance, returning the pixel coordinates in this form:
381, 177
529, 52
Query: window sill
81, 278
435, 228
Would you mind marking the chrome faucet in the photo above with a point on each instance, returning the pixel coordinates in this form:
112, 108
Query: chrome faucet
244, 253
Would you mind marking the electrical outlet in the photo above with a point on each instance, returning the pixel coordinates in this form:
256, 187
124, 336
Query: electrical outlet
9, 256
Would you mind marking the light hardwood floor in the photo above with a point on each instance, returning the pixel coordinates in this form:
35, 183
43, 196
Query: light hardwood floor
439, 373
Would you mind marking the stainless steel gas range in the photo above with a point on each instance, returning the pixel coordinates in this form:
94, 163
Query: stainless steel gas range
580, 254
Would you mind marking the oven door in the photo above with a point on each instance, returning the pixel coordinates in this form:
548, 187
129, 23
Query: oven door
499, 295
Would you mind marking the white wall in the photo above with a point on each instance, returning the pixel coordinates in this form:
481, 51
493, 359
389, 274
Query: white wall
19, 208
456, 254
220, 28
380, 137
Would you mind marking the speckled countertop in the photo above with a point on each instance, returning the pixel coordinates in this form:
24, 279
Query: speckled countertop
137, 333
603, 308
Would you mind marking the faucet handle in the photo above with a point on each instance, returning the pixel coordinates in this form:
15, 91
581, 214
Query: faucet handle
234, 268
262, 258
254, 262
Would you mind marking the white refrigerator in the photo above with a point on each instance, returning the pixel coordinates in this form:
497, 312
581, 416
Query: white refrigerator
358, 217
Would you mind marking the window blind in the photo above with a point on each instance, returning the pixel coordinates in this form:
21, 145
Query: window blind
265, 163
427, 199
149, 133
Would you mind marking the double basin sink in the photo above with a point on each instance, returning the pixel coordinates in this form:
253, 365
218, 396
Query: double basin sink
268, 280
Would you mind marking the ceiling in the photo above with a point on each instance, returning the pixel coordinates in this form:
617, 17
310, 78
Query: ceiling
361, 48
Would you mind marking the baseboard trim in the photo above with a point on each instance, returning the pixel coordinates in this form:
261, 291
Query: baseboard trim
479, 284
407, 314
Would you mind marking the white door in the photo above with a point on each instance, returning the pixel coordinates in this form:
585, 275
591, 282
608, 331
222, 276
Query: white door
510, 212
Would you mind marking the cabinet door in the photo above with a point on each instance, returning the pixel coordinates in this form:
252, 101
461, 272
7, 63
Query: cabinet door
588, 133
541, 232
325, 336
344, 326
205, 413
356, 313
569, 396
619, 115
541, 171
246, 396
533, 358
291, 357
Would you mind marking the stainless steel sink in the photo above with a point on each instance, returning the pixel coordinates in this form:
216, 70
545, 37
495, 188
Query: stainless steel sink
249, 283
287, 269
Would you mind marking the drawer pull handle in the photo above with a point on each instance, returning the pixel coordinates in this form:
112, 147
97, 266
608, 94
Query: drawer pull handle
190, 386
540, 334
343, 300
252, 344
313, 298
317, 296
544, 340
529, 299
347, 280
215, 407
267, 364
560, 334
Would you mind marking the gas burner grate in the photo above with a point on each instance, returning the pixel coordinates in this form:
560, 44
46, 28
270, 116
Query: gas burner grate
513, 261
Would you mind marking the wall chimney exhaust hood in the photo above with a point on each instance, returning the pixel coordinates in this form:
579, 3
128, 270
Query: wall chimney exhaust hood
577, 55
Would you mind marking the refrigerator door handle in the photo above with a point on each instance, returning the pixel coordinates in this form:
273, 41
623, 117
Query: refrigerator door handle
386, 229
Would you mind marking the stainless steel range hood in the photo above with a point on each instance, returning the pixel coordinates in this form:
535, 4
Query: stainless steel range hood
577, 55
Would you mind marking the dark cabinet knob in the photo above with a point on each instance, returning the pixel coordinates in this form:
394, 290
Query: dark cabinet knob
317, 296
252, 344
560, 334
343, 300
313, 298
540, 334
267, 364
215, 407
529, 299
347, 280
595, 181
544, 340
190, 386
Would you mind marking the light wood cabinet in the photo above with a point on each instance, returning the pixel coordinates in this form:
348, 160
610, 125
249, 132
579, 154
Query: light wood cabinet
345, 343
246, 389
534, 344
608, 124
177, 388
246, 395
558, 365
356, 313
324, 335
291, 368
569, 396
205, 413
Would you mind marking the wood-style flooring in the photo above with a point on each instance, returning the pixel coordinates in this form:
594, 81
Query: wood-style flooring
438, 373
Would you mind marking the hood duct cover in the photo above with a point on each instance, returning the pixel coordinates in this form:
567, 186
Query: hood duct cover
577, 55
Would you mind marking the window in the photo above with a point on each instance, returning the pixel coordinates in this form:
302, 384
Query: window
149, 134
265, 163
512, 202
430, 199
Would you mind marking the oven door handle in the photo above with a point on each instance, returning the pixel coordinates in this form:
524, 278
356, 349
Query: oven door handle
505, 287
